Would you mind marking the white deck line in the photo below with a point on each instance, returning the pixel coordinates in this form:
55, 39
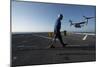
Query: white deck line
66, 46
45, 37
86, 33
84, 38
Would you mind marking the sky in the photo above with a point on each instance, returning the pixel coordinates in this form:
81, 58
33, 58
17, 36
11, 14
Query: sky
41, 17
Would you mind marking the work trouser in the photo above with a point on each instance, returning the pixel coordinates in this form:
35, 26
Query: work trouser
58, 35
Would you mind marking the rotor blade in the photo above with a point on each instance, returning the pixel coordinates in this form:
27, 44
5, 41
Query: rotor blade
88, 17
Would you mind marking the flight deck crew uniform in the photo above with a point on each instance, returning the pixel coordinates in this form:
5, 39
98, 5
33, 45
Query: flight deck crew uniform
57, 33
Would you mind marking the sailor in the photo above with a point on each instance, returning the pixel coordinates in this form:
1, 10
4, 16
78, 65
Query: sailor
57, 33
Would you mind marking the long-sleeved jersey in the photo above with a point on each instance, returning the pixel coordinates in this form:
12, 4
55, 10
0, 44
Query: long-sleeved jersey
57, 26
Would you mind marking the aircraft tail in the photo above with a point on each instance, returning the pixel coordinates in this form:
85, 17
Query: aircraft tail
86, 18
70, 22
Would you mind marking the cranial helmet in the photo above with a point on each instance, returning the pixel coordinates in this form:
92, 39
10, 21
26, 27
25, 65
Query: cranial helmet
60, 16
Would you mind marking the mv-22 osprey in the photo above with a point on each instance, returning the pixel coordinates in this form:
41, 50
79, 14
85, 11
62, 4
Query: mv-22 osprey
80, 24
